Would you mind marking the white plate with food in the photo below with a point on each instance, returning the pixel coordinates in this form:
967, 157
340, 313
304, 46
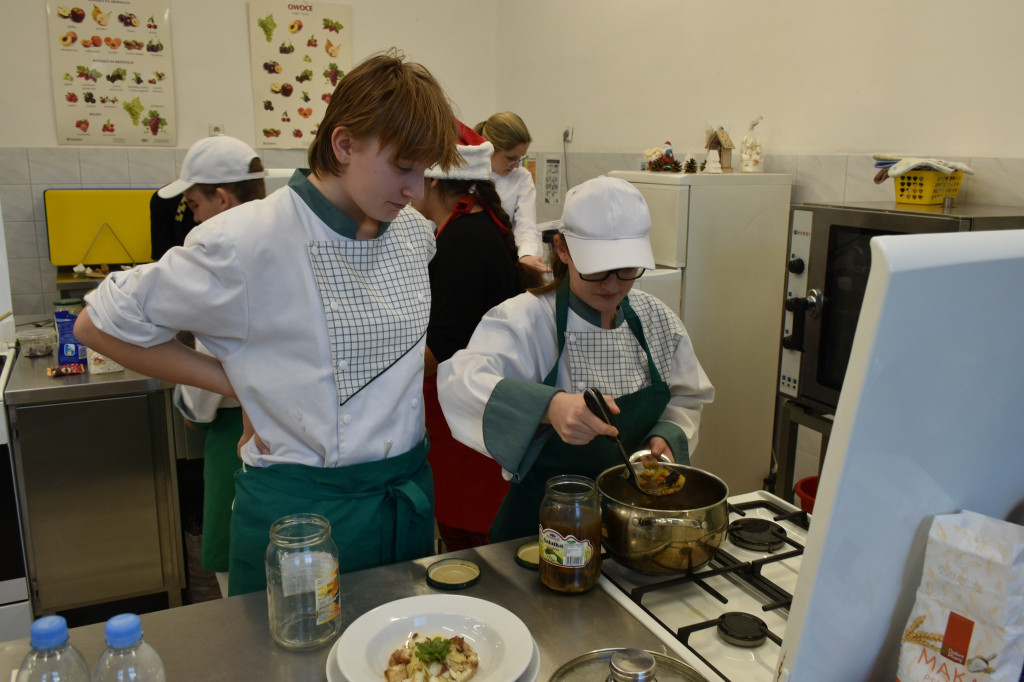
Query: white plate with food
467, 627
531, 673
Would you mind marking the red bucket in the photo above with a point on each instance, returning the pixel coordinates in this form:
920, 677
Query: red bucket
806, 489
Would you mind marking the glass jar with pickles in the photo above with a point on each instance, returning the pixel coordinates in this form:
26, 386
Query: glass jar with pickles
570, 534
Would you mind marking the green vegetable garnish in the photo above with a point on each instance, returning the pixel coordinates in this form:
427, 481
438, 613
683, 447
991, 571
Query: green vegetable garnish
436, 649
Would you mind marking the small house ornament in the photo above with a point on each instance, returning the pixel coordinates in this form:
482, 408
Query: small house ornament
718, 141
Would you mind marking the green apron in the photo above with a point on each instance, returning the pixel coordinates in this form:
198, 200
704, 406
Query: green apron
519, 514
220, 462
381, 512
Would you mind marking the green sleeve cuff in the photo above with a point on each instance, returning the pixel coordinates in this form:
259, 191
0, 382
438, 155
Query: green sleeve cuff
511, 420
676, 439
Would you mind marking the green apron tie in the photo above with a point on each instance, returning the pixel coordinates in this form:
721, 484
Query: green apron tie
404, 508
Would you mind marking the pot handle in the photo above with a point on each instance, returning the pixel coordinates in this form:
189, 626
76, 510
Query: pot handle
636, 456
676, 523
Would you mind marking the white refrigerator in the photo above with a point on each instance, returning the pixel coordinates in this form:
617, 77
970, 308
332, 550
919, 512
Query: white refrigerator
727, 234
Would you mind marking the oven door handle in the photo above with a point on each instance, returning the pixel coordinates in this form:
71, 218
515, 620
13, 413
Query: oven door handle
809, 306
815, 299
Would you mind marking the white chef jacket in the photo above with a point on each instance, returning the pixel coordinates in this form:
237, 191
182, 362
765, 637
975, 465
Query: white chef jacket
519, 199
322, 336
517, 341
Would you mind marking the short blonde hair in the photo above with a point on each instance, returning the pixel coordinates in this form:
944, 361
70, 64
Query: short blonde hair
504, 130
398, 103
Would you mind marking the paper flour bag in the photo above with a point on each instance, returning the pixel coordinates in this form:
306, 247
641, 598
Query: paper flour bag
967, 624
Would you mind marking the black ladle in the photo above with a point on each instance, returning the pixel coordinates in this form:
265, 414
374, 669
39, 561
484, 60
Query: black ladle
595, 401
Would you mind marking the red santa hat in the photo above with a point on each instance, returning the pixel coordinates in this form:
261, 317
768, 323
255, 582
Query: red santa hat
476, 154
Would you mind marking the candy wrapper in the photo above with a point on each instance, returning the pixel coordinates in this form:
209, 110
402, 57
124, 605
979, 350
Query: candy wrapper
65, 370
968, 620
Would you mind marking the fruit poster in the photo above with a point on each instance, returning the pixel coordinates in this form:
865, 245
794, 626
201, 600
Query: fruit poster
112, 76
299, 52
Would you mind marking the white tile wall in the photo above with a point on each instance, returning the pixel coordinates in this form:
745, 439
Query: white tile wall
26, 173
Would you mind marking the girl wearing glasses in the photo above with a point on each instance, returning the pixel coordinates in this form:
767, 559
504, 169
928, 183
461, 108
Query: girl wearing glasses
511, 139
515, 392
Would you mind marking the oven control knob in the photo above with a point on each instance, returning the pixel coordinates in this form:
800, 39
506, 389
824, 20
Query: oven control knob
790, 342
796, 305
796, 266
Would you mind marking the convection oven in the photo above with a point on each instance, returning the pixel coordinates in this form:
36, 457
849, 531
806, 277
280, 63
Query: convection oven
828, 264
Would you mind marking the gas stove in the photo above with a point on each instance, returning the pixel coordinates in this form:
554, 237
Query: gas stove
728, 618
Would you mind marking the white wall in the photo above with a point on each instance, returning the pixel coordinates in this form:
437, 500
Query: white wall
936, 78
211, 60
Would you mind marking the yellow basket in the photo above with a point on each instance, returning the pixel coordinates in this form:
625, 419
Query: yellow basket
926, 186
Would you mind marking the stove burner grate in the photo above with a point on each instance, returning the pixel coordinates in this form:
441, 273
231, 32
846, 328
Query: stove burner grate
757, 534
742, 629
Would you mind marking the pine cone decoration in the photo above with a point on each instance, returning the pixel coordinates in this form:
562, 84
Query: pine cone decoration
690, 166
660, 164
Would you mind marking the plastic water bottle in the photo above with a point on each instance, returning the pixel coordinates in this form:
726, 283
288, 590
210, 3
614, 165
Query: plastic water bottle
53, 657
127, 657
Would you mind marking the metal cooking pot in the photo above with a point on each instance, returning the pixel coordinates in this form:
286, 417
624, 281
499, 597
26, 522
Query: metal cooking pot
663, 535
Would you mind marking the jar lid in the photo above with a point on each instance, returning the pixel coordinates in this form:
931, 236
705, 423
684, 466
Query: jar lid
452, 574
528, 555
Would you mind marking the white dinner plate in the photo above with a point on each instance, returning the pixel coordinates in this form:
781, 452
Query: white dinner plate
334, 672
502, 641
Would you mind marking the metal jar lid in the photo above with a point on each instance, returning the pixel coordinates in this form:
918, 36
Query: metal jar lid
597, 665
452, 574
528, 555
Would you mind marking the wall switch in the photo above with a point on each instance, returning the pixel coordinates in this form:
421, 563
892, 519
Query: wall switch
567, 134
216, 129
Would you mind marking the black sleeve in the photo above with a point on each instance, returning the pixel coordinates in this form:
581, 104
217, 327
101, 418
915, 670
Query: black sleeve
471, 273
169, 221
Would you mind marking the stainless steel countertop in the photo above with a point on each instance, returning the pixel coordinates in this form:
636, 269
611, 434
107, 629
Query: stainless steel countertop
229, 639
29, 384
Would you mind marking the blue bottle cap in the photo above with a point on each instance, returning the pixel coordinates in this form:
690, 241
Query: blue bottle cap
124, 630
48, 632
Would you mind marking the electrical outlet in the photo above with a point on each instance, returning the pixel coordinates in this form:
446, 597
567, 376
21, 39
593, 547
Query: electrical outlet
567, 134
216, 129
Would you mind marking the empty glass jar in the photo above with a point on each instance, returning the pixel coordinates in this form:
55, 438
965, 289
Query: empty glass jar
302, 582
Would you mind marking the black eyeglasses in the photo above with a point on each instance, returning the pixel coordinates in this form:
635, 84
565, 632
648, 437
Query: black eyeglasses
624, 274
